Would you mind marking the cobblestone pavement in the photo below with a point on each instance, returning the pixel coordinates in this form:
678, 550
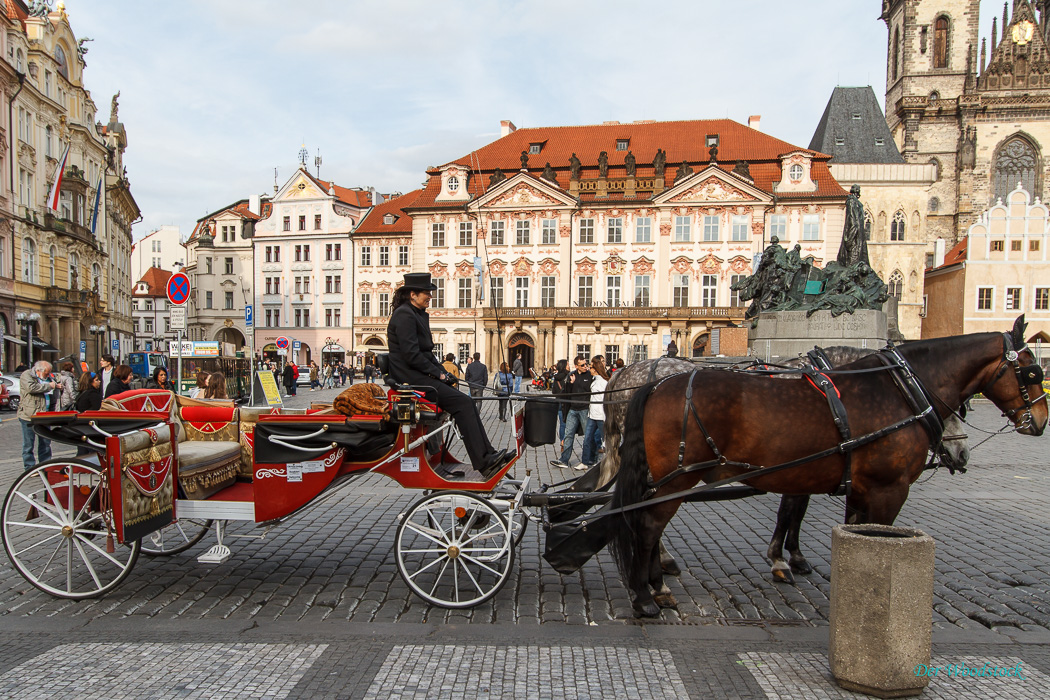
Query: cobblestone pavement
330, 573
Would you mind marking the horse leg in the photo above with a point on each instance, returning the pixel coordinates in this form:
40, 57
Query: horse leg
646, 571
775, 552
667, 563
880, 506
798, 562
663, 596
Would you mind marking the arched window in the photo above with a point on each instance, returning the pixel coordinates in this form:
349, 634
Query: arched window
20, 61
896, 284
940, 43
1016, 162
897, 227
74, 271
867, 225
96, 277
52, 254
49, 151
896, 50
60, 59
28, 260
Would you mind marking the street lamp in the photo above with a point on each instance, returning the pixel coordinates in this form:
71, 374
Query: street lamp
27, 321
98, 332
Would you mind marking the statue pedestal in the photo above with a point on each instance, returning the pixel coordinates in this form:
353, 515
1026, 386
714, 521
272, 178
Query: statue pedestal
784, 335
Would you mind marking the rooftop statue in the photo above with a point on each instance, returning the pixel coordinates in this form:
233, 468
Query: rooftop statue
524, 160
496, 177
603, 164
549, 174
113, 106
684, 170
854, 247
40, 8
659, 162
630, 163
574, 166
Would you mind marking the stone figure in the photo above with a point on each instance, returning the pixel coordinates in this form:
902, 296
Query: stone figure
741, 168
684, 170
81, 49
659, 162
524, 160
603, 164
40, 8
574, 166
73, 278
113, 106
630, 163
854, 248
713, 152
549, 174
496, 177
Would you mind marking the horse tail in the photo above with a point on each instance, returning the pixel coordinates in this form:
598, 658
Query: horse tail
632, 482
610, 463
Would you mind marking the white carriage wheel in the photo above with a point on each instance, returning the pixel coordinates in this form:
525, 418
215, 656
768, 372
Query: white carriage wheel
56, 546
454, 549
177, 537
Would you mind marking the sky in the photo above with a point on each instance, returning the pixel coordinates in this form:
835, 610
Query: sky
215, 95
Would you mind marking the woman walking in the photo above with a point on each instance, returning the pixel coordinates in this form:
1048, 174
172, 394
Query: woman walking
595, 432
505, 381
120, 382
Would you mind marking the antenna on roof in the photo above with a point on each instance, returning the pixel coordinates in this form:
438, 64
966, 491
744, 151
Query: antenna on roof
275, 182
317, 163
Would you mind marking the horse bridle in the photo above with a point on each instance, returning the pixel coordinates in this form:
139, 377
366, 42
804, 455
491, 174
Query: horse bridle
1026, 375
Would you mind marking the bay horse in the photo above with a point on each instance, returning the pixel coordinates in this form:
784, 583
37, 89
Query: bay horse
953, 452
783, 432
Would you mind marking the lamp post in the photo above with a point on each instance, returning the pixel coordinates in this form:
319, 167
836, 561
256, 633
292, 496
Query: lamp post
97, 331
27, 321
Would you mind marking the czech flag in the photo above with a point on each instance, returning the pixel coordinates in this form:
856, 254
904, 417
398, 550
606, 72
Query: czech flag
96, 204
60, 172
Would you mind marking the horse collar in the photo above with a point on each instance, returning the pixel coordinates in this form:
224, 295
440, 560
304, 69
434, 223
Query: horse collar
1025, 375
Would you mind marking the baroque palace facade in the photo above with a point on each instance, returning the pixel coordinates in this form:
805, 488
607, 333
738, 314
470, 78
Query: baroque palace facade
59, 278
610, 239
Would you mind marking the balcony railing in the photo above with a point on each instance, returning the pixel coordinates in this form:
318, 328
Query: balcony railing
617, 312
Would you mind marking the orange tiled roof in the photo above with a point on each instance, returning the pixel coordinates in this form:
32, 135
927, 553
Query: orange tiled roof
956, 255
156, 280
682, 141
15, 12
239, 207
373, 221
355, 198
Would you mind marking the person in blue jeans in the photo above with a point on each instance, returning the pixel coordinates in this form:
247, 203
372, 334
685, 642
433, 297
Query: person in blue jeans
37, 386
519, 372
578, 395
595, 432
505, 380
558, 384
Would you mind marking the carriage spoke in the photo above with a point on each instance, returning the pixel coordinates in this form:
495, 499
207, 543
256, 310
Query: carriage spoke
484, 533
436, 561
455, 579
101, 551
41, 507
69, 565
50, 559
38, 526
441, 575
416, 528
87, 502
473, 580
90, 568
438, 528
33, 546
481, 564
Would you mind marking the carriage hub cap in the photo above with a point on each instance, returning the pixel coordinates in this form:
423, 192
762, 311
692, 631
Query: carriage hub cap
67, 531
453, 551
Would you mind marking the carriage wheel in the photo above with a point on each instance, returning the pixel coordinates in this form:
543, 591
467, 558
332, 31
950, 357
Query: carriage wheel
59, 543
454, 549
177, 537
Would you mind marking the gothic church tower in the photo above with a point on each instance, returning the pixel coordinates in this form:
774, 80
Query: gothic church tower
979, 110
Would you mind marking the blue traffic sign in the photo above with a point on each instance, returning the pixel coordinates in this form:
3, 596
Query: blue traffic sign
296, 345
282, 343
178, 289
249, 317
115, 344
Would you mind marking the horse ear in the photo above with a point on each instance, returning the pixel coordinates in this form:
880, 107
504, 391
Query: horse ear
1017, 334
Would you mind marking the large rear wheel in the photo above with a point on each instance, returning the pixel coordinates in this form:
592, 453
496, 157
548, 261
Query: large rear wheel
454, 549
55, 532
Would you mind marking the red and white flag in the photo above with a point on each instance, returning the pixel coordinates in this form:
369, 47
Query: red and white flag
56, 187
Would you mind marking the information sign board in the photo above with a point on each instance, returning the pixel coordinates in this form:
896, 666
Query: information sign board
177, 316
266, 387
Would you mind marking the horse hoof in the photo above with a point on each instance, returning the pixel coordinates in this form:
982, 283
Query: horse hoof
650, 609
783, 576
671, 568
665, 600
801, 567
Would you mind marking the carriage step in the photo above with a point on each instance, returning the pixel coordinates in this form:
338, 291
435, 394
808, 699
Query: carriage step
216, 555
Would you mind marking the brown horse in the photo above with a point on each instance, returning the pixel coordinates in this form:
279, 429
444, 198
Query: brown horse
743, 422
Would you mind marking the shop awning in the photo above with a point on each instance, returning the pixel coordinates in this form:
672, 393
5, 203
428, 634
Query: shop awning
15, 340
42, 346
333, 347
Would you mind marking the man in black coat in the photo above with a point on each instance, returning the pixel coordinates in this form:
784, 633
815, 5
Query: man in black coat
477, 377
412, 362
289, 379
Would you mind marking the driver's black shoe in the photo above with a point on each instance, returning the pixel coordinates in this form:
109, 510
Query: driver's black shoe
495, 462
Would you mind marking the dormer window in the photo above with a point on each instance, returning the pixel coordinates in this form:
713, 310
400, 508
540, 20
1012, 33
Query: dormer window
453, 184
535, 148
840, 141
856, 115
880, 141
621, 144
795, 173
712, 140
388, 219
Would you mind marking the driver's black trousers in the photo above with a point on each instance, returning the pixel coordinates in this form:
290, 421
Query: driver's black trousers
461, 407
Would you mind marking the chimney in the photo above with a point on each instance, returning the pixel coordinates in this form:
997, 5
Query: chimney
506, 128
254, 204
755, 122
938, 252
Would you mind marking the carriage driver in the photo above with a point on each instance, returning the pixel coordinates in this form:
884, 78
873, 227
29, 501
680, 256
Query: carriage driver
412, 362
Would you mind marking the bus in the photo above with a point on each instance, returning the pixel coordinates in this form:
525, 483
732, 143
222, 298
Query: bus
206, 356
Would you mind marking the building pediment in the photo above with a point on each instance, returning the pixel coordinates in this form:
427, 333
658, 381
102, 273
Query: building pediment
523, 190
712, 185
300, 186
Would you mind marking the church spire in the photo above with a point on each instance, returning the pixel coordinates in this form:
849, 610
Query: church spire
995, 33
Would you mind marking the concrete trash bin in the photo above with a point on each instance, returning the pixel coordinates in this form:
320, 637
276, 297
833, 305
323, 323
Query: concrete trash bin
881, 608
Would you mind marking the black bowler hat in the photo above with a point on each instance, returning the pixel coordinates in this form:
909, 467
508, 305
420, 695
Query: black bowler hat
419, 282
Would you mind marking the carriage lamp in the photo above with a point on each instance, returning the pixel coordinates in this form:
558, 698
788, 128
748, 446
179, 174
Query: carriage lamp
404, 408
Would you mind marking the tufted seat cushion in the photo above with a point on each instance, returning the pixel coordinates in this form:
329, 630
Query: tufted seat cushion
207, 467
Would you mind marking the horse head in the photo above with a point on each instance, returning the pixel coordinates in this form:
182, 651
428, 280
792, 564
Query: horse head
1016, 384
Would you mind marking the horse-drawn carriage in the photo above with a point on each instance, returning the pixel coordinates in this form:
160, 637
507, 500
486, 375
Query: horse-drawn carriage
164, 469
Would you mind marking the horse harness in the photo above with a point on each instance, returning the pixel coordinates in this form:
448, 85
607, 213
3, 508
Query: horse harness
1029, 374
915, 394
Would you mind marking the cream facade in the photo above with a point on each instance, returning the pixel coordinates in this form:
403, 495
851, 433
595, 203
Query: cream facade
163, 248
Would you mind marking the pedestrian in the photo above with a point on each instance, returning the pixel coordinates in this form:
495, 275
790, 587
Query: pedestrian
276, 374
289, 379
519, 372
105, 368
159, 380
66, 384
120, 382
22, 367
412, 362
558, 384
202, 383
594, 435
326, 377
89, 393
619, 364
216, 386
342, 373
295, 376
504, 383
578, 393
38, 388
451, 367
477, 376
672, 349
314, 384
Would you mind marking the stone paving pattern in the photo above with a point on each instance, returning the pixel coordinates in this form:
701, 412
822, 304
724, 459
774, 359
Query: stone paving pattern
336, 561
